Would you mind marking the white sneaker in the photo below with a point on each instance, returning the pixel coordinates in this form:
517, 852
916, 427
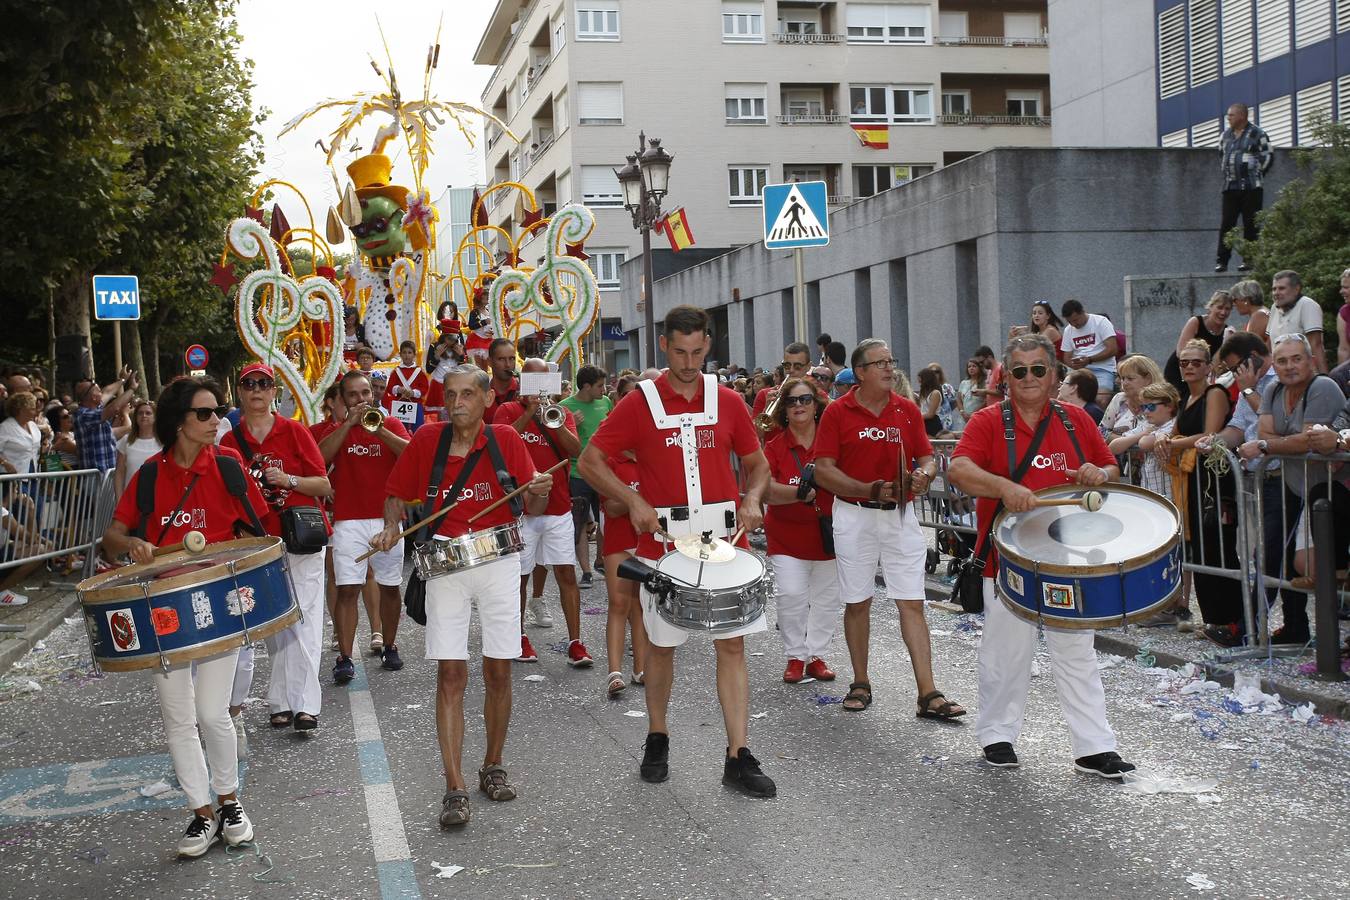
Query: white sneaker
240, 736
538, 608
235, 826
200, 835
9, 598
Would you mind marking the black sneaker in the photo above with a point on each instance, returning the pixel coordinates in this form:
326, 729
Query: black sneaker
1221, 267
655, 766
1284, 635
390, 659
1245, 267
585, 582
1001, 755
1223, 635
1107, 765
344, 670
742, 771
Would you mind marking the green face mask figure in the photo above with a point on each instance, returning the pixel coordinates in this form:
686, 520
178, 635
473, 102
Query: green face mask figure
380, 233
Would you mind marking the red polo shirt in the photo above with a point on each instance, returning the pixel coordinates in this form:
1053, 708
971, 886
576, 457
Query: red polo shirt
982, 442
660, 460
620, 536
560, 498
360, 469
867, 447
792, 528
411, 474
289, 446
495, 399
210, 508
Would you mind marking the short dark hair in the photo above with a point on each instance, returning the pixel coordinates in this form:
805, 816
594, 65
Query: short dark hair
1242, 345
364, 351
836, 353
500, 342
175, 401
407, 345
824, 340
350, 375
984, 350
797, 347
1288, 275
686, 320
1071, 308
1084, 384
589, 375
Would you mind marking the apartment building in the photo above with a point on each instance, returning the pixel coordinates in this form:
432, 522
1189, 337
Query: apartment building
1288, 60
746, 93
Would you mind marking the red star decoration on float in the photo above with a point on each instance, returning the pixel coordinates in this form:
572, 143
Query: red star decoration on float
255, 213
224, 278
576, 251
532, 218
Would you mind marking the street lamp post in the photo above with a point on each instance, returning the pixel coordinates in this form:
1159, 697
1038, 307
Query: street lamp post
645, 180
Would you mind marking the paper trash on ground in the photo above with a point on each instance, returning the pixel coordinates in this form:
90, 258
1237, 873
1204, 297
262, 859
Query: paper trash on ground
446, 871
535, 678
635, 714
1157, 783
1199, 882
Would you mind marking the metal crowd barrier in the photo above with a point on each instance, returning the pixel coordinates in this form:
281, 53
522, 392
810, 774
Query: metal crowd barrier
53, 515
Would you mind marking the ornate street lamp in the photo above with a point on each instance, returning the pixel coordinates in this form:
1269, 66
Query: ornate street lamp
645, 181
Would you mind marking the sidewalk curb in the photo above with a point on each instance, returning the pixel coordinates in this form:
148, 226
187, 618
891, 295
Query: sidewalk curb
1107, 643
56, 610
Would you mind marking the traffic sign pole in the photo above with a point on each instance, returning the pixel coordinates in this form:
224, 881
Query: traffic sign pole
117, 346
799, 266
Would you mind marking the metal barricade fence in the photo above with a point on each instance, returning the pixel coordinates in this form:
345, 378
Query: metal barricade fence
54, 514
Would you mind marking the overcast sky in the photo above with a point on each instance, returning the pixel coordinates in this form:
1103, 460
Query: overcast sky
305, 51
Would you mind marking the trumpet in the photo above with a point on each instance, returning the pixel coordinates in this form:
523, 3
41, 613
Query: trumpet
765, 420
552, 414
372, 419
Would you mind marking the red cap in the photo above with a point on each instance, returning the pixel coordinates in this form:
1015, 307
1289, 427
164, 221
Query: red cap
254, 368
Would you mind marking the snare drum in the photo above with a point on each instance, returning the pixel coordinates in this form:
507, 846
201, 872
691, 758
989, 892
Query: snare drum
442, 557
182, 606
715, 597
1070, 568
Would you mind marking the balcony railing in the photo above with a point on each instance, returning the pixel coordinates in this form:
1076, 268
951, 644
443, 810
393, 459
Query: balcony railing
838, 199
828, 119
786, 37
1037, 121
966, 40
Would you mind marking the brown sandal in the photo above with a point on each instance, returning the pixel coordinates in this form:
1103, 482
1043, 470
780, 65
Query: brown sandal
860, 692
492, 781
943, 712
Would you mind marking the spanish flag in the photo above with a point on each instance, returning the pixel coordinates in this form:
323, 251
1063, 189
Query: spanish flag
676, 226
878, 137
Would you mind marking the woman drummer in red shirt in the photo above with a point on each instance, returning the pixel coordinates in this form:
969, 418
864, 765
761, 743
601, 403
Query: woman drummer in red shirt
191, 495
795, 522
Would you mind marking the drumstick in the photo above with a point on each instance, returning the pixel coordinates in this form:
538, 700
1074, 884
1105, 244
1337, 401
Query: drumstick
193, 542
1090, 501
517, 492
409, 530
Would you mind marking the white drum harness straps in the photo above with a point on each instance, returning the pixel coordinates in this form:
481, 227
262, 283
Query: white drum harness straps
696, 517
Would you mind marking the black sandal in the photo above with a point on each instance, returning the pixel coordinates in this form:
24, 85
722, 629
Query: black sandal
858, 692
282, 719
943, 712
306, 722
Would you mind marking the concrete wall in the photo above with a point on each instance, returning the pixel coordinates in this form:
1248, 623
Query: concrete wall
1156, 306
954, 259
1103, 69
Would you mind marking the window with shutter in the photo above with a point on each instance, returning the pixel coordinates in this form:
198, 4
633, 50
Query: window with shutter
605, 264
742, 22
1204, 36
1021, 25
1343, 95
1342, 15
600, 187
1207, 134
887, 23
1237, 35
1313, 107
600, 102
1276, 118
1312, 21
1272, 29
1171, 52
1174, 139
746, 103
598, 20
746, 184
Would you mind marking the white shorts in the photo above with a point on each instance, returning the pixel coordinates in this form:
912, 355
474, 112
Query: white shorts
351, 538
549, 541
663, 634
865, 537
495, 588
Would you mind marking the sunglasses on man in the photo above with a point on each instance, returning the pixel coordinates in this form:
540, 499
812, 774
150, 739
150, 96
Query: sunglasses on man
1037, 370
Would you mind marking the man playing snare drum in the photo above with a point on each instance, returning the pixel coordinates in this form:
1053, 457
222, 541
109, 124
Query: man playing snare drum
684, 429
493, 586
980, 467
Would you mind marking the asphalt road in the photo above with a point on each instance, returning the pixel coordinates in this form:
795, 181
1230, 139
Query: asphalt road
876, 804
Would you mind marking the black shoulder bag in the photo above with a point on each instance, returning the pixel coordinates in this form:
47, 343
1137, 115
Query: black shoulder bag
504, 474
302, 527
805, 486
968, 590
415, 595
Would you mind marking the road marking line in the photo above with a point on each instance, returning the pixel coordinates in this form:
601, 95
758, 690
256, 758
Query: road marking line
389, 839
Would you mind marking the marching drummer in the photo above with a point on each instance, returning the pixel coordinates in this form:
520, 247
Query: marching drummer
804, 567
684, 429
866, 440
362, 451
193, 486
981, 466
285, 460
472, 454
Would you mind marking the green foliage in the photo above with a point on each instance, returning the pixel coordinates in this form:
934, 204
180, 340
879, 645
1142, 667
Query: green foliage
1307, 228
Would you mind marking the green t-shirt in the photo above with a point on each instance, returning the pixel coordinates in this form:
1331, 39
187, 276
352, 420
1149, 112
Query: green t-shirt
588, 416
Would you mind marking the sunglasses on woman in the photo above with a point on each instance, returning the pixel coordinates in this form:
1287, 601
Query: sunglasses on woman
1037, 370
1147, 407
204, 413
256, 384
799, 400
1187, 363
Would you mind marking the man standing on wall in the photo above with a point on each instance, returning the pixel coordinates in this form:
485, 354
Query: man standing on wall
1246, 159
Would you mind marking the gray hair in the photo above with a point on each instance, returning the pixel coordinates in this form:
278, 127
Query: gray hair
481, 378
1024, 343
860, 351
1250, 291
1289, 275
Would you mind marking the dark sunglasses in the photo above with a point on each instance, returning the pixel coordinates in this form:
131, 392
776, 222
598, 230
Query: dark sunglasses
380, 224
204, 413
256, 384
1037, 371
795, 366
1187, 363
799, 400
1147, 407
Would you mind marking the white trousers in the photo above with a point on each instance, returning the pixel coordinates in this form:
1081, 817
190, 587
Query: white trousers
197, 709
808, 604
1006, 654
243, 676
295, 651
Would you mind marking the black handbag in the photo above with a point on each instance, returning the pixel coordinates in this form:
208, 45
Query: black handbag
805, 486
303, 528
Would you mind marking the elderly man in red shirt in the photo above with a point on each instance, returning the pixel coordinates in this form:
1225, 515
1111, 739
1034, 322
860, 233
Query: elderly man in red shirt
980, 466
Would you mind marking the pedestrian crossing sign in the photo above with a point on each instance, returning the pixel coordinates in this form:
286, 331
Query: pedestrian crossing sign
795, 215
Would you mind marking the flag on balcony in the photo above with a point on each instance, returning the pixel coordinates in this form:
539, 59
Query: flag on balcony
676, 227
878, 137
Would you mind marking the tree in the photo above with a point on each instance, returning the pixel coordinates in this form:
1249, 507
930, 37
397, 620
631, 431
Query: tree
1307, 228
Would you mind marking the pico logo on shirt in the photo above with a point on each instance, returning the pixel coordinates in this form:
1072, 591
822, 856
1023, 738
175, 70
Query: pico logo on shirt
186, 518
706, 438
480, 491
873, 433
533, 437
366, 450
1056, 462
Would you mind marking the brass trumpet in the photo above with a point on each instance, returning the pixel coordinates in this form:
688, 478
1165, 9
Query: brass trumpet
372, 420
765, 421
552, 414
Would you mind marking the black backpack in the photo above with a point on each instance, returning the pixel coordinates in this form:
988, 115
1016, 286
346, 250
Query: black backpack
230, 472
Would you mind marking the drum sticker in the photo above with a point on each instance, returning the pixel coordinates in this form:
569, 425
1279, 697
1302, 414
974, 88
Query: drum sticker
240, 601
1057, 596
1013, 582
165, 619
201, 610
123, 629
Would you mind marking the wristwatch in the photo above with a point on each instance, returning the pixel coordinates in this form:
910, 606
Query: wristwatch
1247, 392
293, 481
1262, 446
